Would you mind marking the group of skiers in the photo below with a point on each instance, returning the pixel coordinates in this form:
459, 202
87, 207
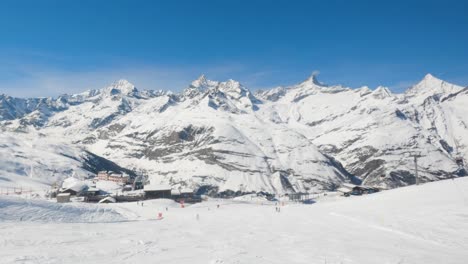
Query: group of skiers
278, 207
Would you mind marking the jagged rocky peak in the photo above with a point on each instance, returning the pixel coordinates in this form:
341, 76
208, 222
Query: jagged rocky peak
382, 92
364, 90
312, 81
122, 86
203, 83
230, 88
233, 88
199, 82
199, 86
273, 94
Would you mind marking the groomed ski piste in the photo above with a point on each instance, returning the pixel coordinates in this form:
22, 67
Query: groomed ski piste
417, 224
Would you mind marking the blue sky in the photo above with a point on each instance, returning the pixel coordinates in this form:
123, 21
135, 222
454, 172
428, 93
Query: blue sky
53, 47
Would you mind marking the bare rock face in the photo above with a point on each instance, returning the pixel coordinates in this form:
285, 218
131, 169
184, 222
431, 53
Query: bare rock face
221, 137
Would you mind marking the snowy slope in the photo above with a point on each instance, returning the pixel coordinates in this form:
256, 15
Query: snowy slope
418, 224
373, 133
33, 160
15, 209
221, 136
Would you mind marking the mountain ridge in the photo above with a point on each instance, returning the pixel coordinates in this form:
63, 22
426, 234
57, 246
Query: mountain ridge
305, 137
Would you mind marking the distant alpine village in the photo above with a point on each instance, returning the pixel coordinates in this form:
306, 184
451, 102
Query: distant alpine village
112, 187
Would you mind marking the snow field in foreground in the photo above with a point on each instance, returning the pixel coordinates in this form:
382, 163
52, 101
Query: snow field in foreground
14, 209
417, 224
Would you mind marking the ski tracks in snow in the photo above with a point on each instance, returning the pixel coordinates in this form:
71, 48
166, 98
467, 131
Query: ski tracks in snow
387, 229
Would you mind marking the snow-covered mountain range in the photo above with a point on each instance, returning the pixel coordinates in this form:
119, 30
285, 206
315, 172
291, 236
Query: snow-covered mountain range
223, 137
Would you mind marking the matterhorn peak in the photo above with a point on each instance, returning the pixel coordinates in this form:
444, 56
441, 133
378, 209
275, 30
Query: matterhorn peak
312, 81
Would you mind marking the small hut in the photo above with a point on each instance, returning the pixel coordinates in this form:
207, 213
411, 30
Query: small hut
73, 186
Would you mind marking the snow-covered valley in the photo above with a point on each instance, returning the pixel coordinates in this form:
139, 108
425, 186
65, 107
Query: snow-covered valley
415, 224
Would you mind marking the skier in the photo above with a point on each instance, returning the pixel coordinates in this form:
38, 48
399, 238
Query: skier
198, 217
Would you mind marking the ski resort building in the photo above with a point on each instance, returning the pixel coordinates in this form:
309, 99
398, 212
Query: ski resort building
157, 191
93, 191
185, 195
351, 189
344, 191
73, 186
299, 197
115, 177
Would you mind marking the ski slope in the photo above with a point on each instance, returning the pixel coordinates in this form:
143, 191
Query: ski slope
416, 224
14, 209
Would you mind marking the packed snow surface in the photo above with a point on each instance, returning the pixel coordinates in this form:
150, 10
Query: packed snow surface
15, 209
416, 224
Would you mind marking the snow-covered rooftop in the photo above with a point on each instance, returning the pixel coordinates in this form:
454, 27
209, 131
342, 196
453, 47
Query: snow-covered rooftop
157, 187
343, 190
349, 185
73, 184
108, 199
186, 190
